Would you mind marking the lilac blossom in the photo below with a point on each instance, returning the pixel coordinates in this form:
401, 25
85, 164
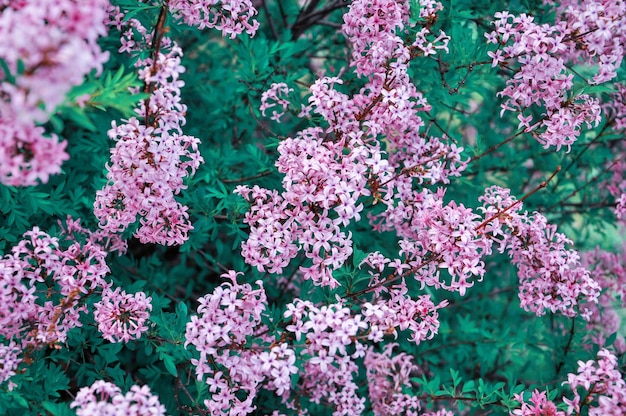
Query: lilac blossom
48, 46
104, 398
151, 157
122, 317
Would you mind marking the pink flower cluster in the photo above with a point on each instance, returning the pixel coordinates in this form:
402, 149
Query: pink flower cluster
326, 172
103, 398
273, 97
227, 320
330, 335
597, 34
42, 285
389, 102
237, 354
388, 375
151, 157
401, 312
551, 276
48, 46
603, 386
541, 80
609, 270
27, 155
232, 17
322, 186
437, 237
392, 307
121, 316
371, 28
605, 389
9, 361
388, 106
539, 406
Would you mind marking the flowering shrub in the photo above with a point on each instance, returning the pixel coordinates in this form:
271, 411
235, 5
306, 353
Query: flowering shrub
276, 207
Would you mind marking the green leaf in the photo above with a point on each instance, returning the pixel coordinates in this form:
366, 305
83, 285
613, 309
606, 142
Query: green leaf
415, 8
611, 339
10, 78
78, 116
469, 386
58, 409
181, 316
170, 366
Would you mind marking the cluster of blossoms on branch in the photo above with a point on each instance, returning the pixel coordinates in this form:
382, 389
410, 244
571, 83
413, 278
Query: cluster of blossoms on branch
542, 79
602, 386
389, 374
103, 398
320, 180
44, 284
226, 320
232, 17
47, 47
151, 157
538, 405
605, 389
551, 277
327, 171
609, 271
122, 316
596, 34
237, 353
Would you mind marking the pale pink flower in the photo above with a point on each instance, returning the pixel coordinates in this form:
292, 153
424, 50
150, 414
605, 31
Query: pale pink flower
122, 317
103, 398
232, 17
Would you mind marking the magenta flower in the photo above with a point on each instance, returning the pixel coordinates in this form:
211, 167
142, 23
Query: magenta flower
539, 406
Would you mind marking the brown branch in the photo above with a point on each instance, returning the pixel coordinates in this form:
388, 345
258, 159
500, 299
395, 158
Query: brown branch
157, 38
496, 146
540, 186
248, 178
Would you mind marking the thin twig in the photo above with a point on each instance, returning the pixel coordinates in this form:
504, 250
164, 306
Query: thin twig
500, 213
248, 178
157, 38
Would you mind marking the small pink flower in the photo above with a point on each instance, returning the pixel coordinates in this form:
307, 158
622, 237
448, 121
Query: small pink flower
104, 398
121, 316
